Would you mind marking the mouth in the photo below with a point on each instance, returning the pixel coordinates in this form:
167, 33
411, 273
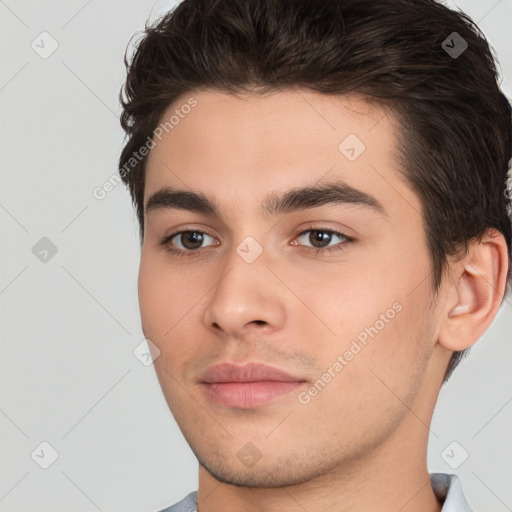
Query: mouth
247, 386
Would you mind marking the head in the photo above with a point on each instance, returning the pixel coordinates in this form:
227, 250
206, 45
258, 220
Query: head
246, 106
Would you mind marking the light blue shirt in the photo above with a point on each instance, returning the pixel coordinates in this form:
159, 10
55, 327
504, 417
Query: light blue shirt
447, 488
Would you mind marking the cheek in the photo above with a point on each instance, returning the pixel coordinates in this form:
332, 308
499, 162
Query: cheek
158, 289
151, 292
346, 298
168, 302
374, 379
164, 294
377, 319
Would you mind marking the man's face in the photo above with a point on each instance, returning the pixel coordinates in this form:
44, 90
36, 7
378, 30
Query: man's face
347, 318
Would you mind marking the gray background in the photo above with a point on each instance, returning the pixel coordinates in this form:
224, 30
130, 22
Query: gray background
69, 326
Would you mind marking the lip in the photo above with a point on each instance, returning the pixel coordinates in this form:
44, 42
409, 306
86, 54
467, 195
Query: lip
247, 386
248, 372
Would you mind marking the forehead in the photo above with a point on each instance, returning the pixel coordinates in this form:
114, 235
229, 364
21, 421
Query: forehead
247, 145
286, 118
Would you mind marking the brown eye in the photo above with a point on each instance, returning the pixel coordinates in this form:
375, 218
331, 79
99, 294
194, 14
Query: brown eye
190, 240
186, 242
321, 238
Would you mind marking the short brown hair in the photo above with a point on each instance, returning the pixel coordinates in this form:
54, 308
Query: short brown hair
455, 136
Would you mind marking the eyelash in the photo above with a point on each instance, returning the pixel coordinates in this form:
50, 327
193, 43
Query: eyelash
165, 242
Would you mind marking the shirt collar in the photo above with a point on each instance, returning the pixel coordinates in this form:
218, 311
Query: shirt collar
448, 490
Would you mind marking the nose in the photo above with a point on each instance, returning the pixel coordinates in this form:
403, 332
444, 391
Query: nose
247, 297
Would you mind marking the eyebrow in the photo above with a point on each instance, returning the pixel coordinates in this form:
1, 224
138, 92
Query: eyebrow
276, 203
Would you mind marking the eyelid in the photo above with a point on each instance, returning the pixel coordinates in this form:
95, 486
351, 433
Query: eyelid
166, 240
194, 229
332, 231
203, 233
322, 230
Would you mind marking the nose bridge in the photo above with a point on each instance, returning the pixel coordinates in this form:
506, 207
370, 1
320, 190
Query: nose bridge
246, 292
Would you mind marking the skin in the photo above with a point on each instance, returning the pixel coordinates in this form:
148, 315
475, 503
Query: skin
360, 444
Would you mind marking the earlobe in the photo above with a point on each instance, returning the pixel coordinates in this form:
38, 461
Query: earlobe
475, 292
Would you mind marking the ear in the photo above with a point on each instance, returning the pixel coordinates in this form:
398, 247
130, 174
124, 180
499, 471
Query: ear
475, 289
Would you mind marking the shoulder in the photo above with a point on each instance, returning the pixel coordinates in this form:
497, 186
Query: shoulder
187, 504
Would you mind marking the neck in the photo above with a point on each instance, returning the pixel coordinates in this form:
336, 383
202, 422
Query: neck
394, 477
